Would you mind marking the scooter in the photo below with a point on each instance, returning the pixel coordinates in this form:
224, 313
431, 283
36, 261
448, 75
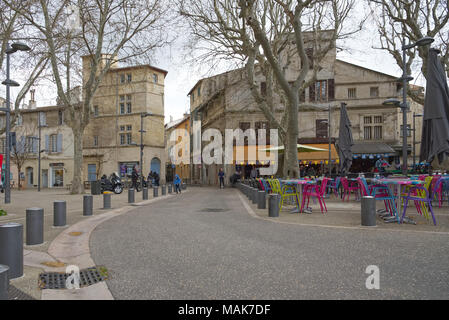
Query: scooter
114, 183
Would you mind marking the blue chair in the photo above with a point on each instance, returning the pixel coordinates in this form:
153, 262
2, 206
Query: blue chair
333, 185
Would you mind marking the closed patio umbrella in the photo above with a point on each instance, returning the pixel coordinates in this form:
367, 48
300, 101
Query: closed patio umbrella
435, 132
345, 141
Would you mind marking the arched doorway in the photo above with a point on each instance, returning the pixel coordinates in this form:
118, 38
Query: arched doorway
156, 165
29, 177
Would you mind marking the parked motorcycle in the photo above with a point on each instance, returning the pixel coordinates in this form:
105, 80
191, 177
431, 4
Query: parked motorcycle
114, 183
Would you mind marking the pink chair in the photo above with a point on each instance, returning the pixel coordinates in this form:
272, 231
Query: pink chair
348, 188
317, 192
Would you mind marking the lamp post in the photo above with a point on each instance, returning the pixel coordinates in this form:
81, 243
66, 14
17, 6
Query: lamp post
404, 105
17, 46
142, 115
414, 138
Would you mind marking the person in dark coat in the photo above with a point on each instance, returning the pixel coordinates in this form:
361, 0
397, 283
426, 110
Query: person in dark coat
134, 177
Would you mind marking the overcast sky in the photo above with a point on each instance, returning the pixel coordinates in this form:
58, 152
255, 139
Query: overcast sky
182, 77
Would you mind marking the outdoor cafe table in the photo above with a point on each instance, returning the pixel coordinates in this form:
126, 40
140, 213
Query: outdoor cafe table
298, 184
397, 183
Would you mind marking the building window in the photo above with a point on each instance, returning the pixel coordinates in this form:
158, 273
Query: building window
122, 78
130, 77
95, 141
96, 111
53, 143
321, 90
122, 139
373, 128
42, 119
129, 128
367, 133
263, 125
374, 92
321, 128
19, 121
128, 104
155, 78
378, 133
129, 138
122, 128
199, 91
409, 131
352, 93
60, 117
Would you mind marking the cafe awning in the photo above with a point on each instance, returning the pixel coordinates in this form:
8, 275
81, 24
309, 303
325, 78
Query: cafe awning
372, 150
319, 156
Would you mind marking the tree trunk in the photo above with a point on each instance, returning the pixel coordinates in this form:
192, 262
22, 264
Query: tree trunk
291, 149
77, 182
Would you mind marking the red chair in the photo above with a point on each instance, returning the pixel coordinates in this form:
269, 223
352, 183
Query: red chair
317, 192
348, 188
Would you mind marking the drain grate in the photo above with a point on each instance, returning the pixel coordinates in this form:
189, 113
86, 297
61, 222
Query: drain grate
214, 210
57, 280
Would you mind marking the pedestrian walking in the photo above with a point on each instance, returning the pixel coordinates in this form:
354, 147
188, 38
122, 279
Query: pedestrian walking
177, 182
221, 176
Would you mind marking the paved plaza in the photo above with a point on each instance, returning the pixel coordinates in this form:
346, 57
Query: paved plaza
215, 244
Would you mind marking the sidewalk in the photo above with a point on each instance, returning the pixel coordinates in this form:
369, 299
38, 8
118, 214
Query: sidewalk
36, 258
348, 215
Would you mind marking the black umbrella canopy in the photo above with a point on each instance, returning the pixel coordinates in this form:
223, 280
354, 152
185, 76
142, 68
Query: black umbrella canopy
345, 141
435, 133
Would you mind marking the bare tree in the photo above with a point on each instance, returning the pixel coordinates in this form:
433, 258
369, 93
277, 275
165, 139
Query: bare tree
107, 31
412, 20
264, 36
13, 27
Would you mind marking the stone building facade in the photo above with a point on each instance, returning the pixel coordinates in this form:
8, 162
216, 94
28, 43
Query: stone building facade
112, 140
177, 148
225, 102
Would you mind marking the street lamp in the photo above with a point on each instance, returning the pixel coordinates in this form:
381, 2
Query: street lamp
17, 46
414, 139
404, 106
142, 115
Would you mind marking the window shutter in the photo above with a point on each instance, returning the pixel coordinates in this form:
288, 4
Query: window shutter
21, 145
312, 93
331, 88
35, 145
47, 143
59, 143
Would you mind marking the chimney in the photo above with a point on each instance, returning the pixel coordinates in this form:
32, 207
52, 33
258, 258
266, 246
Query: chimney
32, 103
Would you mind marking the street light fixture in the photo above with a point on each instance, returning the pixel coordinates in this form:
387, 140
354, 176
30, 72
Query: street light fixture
17, 46
404, 105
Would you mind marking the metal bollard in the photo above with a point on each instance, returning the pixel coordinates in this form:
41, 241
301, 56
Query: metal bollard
145, 193
184, 186
34, 226
273, 205
155, 192
255, 197
164, 190
88, 205
368, 210
11, 248
170, 189
107, 197
4, 282
261, 200
59, 213
131, 195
